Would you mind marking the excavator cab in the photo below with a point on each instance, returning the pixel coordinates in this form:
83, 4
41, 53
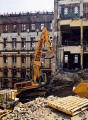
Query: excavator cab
49, 55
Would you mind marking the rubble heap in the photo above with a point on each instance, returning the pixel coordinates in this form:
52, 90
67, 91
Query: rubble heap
38, 110
33, 110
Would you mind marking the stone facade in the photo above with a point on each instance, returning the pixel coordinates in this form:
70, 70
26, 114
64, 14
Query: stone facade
19, 34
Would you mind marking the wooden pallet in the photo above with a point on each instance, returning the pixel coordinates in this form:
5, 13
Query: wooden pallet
71, 105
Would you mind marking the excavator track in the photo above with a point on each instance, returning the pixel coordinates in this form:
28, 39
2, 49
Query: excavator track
29, 94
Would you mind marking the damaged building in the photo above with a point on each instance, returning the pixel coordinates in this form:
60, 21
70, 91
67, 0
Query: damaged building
19, 34
71, 27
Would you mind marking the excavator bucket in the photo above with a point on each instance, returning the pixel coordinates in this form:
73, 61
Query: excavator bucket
81, 90
49, 55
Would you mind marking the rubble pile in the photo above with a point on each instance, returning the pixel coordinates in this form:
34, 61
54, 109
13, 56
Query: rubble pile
33, 110
66, 78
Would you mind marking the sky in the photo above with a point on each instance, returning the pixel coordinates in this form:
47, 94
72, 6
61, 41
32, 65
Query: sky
9, 6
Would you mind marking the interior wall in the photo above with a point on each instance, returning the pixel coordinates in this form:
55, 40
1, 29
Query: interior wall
71, 61
70, 35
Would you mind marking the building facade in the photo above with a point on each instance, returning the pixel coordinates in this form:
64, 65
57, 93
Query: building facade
71, 26
19, 34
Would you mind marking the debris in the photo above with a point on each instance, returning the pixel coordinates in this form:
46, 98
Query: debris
34, 110
38, 110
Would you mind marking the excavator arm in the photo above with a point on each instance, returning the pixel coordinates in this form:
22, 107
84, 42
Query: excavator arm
44, 38
22, 86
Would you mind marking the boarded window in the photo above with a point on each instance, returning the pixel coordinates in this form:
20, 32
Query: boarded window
32, 26
23, 27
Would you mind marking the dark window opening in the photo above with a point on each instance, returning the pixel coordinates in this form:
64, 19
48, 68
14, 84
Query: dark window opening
23, 73
5, 83
13, 58
70, 36
4, 42
71, 61
14, 43
85, 61
32, 43
5, 59
23, 42
23, 59
85, 36
14, 72
5, 72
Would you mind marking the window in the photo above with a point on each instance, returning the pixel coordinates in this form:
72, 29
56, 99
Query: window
32, 26
76, 59
23, 59
23, 27
14, 44
76, 10
23, 42
42, 26
14, 28
13, 58
14, 72
4, 42
5, 28
66, 59
65, 11
4, 58
32, 44
23, 73
51, 26
5, 72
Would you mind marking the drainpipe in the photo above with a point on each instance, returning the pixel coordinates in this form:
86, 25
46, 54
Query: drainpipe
81, 41
57, 35
81, 29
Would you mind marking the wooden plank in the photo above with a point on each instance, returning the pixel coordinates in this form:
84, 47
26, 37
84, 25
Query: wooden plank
71, 105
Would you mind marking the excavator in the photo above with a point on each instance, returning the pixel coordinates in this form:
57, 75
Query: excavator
38, 79
9, 98
81, 89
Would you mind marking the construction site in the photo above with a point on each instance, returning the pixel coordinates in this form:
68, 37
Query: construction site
43, 63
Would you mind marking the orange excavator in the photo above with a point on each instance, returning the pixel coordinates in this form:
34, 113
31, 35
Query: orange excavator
37, 79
